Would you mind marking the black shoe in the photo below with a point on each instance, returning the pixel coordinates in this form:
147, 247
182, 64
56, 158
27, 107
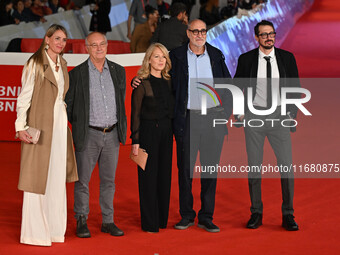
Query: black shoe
152, 232
289, 223
255, 221
208, 226
112, 229
82, 229
184, 224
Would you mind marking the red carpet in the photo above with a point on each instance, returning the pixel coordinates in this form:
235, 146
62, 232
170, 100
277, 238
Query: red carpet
314, 41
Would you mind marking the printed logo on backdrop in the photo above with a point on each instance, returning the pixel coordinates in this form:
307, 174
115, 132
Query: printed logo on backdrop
8, 98
239, 100
212, 94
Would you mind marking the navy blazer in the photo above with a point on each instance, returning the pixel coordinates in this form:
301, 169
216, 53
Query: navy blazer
78, 102
247, 67
180, 77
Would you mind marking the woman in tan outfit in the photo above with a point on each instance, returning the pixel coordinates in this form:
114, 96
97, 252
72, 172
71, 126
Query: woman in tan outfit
46, 166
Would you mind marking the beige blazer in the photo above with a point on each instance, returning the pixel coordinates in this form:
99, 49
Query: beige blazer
35, 158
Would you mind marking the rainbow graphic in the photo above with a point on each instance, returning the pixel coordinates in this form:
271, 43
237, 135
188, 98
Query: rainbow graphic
206, 89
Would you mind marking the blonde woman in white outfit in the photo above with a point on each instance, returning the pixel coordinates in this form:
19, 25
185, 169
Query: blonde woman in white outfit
46, 166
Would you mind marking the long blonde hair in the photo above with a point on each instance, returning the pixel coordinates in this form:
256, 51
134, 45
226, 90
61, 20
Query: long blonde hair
144, 71
37, 57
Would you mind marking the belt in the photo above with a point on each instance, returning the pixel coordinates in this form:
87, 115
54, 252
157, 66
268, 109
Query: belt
104, 130
209, 110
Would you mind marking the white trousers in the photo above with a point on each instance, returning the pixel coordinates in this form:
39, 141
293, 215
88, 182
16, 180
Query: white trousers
44, 216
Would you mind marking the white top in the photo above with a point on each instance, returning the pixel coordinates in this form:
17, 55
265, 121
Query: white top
59, 76
261, 87
25, 97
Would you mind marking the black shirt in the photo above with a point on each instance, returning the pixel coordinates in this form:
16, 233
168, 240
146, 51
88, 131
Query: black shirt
6, 18
172, 33
152, 100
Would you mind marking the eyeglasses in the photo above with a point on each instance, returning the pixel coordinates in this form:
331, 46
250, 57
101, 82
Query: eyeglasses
101, 45
265, 35
196, 31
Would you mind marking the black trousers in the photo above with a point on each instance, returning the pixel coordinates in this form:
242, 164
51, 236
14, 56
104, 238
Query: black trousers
199, 136
155, 182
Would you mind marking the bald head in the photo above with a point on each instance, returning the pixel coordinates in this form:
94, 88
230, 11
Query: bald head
197, 22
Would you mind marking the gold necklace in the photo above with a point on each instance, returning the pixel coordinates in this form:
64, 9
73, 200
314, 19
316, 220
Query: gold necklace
56, 65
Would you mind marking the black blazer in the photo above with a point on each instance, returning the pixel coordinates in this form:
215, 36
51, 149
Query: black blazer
101, 17
78, 102
247, 68
172, 33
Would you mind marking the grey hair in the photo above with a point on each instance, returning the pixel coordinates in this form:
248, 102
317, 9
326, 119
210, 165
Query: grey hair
86, 39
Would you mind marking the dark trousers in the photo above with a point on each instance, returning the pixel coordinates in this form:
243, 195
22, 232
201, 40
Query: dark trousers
279, 139
199, 136
155, 182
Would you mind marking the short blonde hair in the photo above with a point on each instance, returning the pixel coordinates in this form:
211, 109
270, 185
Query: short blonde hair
144, 71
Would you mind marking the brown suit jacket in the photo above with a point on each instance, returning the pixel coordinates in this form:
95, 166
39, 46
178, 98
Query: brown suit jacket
140, 40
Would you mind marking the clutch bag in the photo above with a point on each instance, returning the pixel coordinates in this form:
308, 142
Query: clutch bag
141, 158
34, 133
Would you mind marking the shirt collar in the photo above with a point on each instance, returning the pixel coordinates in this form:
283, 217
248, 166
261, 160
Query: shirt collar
91, 65
192, 53
51, 61
271, 54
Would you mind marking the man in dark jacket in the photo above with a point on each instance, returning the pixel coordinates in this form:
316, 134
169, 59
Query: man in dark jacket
96, 111
172, 33
263, 69
192, 65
